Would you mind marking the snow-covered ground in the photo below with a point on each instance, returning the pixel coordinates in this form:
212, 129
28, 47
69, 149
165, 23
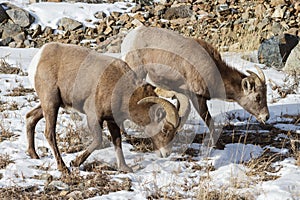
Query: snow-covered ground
168, 177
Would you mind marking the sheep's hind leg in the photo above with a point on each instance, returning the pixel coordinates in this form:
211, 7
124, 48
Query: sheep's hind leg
50, 112
32, 118
117, 141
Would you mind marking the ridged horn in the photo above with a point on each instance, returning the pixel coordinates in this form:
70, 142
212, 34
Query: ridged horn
184, 107
261, 74
255, 77
171, 112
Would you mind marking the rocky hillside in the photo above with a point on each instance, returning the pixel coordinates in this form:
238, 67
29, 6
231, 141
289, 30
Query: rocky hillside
227, 24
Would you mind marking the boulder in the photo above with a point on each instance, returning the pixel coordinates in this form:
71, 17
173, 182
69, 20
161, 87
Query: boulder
292, 65
273, 52
20, 16
10, 30
69, 24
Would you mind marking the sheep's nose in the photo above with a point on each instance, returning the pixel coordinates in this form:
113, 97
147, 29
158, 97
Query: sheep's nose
163, 152
264, 117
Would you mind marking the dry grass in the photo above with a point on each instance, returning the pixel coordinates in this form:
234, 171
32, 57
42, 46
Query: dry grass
239, 39
5, 160
6, 68
5, 134
20, 91
262, 168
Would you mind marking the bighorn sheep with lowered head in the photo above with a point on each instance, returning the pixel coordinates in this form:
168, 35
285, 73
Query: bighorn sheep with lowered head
195, 68
102, 87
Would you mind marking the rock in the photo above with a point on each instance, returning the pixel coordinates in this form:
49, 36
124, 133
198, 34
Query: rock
287, 44
69, 24
28, 44
115, 15
178, 12
277, 28
273, 52
136, 8
6, 41
260, 11
125, 17
48, 31
159, 10
108, 30
37, 31
279, 12
275, 3
20, 37
223, 10
100, 15
136, 22
11, 30
75, 195
140, 17
3, 15
20, 16
59, 185
292, 63
12, 45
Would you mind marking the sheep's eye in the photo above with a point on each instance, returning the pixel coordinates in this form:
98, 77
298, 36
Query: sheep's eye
258, 98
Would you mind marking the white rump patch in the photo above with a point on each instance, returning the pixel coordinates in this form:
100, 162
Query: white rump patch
33, 66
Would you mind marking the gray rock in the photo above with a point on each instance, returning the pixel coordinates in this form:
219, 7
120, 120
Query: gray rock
20, 16
292, 65
6, 41
11, 30
178, 12
69, 24
273, 52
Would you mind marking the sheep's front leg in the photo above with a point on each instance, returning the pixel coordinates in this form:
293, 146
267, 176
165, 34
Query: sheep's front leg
32, 118
96, 130
117, 141
200, 105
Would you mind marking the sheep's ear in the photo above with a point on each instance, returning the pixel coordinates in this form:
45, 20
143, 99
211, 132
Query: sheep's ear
160, 114
157, 113
247, 85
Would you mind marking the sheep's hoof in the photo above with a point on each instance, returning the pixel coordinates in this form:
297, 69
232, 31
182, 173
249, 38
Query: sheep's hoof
64, 169
74, 163
125, 168
32, 154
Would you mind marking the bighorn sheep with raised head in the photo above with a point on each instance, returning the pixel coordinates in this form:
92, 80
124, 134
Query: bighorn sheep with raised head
102, 87
195, 68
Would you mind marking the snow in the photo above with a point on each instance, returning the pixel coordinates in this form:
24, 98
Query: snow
151, 174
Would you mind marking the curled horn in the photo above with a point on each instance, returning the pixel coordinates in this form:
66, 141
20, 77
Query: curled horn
171, 112
183, 106
260, 79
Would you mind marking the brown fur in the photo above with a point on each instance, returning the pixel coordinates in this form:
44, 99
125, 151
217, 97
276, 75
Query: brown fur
195, 68
102, 87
